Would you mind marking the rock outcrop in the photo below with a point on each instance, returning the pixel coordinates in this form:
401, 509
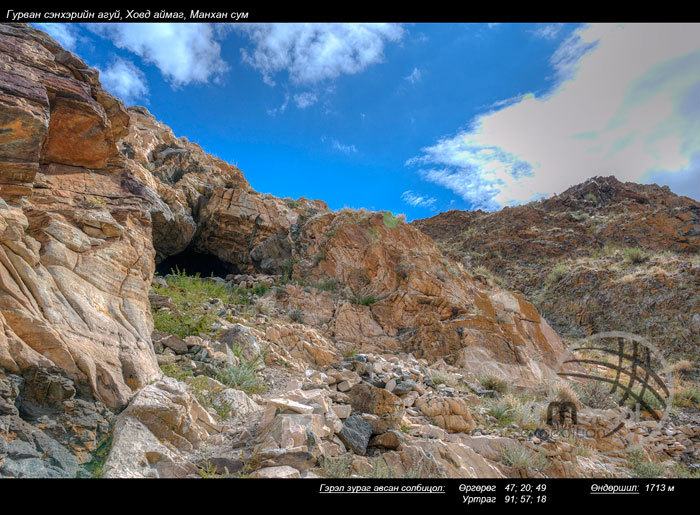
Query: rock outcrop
76, 257
326, 343
601, 256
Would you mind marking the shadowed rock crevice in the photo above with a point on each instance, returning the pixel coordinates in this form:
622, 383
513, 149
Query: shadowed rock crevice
194, 262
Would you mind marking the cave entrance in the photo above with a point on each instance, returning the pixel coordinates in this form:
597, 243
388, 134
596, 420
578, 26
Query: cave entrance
193, 262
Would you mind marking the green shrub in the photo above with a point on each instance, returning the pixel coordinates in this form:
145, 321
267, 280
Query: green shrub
641, 467
390, 220
186, 324
243, 377
338, 466
491, 382
327, 285
260, 289
176, 371
520, 457
687, 397
363, 300
288, 272
558, 271
502, 411
321, 256
634, 255
99, 457
296, 315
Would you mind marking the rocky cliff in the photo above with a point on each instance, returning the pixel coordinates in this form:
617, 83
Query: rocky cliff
601, 256
314, 336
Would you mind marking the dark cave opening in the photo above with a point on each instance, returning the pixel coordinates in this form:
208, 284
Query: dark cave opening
192, 262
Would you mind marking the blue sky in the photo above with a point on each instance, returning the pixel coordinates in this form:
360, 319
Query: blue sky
416, 118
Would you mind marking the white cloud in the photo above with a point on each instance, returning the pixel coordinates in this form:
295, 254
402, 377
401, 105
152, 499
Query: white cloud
626, 102
414, 76
65, 33
125, 80
304, 100
548, 31
417, 200
183, 52
313, 52
281, 109
340, 147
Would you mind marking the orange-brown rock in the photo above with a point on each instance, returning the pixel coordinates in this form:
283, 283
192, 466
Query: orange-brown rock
396, 291
76, 258
567, 254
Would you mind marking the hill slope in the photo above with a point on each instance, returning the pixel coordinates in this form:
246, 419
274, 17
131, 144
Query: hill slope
601, 256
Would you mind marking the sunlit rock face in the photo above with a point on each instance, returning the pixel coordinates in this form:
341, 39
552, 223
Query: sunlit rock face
76, 257
603, 255
399, 293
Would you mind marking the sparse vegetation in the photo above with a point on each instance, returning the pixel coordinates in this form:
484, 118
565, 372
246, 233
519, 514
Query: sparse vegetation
296, 315
684, 368
372, 235
243, 377
338, 466
491, 382
327, 285
520, 457
558, 271
191, 294
390, 220
184, 325
591, 197
634, 255
502, 411
641, 467
363, 300
594, 394
381, 470
687, 397
99, 457
175, 371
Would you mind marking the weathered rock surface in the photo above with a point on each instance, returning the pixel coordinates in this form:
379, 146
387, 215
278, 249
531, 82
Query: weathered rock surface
162, 421
76, 256
565, 253
361, 340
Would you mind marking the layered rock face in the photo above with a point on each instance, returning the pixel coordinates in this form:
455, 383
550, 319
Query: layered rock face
93, 193
397, 292
75, 244
601, 256
93, 196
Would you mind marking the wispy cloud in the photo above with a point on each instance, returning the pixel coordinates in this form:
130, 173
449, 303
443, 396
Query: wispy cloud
550, 31
414, 76
624, 102
304, 100
123, 79
417, 200
338, 146
313, 52
183, 52
281, 109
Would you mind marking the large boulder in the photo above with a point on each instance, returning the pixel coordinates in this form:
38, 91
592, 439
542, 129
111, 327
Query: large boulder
154, 434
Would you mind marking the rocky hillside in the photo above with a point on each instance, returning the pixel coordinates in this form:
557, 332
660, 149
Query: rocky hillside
313, 343
601, 256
